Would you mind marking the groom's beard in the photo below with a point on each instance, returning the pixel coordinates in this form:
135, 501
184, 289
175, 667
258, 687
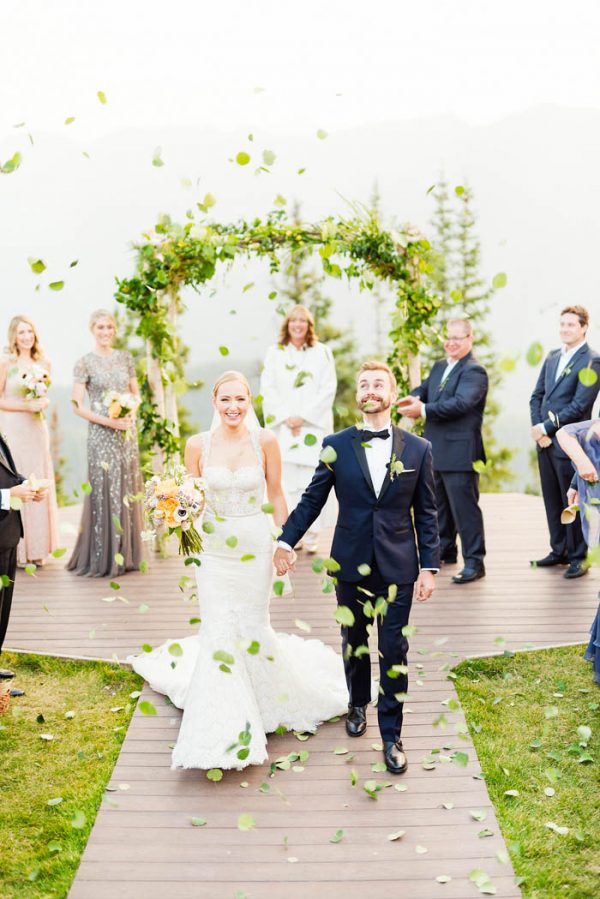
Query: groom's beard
374, 404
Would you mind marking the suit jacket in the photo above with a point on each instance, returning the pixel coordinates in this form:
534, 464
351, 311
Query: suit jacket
560, 402
454, 413
11, 526
385, 528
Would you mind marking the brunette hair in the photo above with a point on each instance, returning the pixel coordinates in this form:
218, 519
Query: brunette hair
13, 350
230, 376
376, 365
580, 311
284, 332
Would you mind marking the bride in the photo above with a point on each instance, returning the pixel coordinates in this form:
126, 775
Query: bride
238, 680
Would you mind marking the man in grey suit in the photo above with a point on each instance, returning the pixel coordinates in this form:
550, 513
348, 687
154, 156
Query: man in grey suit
565, 393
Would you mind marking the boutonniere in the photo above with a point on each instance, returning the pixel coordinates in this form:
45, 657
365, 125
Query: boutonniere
567, 371
396, 467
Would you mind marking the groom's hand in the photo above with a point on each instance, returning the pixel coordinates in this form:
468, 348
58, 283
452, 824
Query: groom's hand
284, 560
425, 585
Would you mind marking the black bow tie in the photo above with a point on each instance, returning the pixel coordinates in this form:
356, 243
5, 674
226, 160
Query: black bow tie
369, 435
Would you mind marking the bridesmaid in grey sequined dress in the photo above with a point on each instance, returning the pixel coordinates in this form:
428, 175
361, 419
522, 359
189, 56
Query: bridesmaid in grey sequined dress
110, 524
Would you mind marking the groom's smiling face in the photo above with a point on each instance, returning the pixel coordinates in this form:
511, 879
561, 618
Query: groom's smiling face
373, 392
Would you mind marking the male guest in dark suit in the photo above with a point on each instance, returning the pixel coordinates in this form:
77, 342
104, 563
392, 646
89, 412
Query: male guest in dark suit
452, 400
11, 531
383, 481
563, 394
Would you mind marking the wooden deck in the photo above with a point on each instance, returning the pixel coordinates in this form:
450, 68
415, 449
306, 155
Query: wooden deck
143, 843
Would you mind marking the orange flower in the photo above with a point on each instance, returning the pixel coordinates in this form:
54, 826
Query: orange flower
114, 410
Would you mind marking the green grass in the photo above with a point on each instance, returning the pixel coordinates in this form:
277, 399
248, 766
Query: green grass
524, 713
41, 844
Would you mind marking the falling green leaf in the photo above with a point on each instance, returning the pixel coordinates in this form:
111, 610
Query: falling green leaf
310, 439
268, 157
176, 650
344, 616
56, 285
535, 353
224, 351
157, 159
102, 97
37, 265
69, 120
232, 541
11, 164
587, 377
147, 708
321, 134
499, 280
242, 158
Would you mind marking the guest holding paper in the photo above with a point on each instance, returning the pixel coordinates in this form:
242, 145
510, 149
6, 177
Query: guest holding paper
24, 382
109, 540
298, 386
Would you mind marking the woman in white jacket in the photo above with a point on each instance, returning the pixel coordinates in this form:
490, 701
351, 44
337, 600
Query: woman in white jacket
298, 385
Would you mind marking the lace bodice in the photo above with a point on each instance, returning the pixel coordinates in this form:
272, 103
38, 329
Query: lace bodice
233, 493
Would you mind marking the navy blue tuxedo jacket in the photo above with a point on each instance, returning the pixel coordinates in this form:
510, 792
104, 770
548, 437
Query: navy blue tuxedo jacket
385, 528
454, 413
11, 526
555, 403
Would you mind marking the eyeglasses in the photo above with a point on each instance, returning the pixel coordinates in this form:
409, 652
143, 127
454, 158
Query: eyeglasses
452, 339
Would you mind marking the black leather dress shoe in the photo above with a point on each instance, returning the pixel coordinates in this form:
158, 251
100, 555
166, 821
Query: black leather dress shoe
5, 674
356, 720
467, 575
394, 758
550, 560
449, 559
575, 569
16, 692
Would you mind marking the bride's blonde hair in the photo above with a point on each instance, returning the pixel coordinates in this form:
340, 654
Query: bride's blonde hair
228, 376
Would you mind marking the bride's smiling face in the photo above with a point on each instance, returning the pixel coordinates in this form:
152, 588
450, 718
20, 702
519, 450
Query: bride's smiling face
232, 403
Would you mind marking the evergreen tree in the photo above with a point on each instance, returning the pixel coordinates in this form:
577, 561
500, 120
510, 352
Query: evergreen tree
465, 293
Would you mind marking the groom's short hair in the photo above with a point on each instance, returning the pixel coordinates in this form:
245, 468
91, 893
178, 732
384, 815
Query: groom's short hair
376, 365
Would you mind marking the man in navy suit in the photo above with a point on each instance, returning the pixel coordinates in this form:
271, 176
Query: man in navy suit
452, 401
564, 394
385, 547
11, 531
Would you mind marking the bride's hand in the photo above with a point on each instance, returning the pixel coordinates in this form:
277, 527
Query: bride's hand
284, 560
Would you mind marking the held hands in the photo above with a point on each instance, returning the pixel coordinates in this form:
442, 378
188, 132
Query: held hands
38, 405
26, 493
544, 441
284, 560
424, 586
410, 406
572, 497
294, 423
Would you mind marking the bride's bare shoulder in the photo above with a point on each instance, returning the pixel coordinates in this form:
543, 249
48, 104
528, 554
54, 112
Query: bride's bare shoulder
267, 438
196, 441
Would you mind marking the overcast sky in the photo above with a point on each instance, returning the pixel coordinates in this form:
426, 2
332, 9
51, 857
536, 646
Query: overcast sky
283, 66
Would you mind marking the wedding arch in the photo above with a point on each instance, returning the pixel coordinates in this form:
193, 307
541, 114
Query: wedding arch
173, 256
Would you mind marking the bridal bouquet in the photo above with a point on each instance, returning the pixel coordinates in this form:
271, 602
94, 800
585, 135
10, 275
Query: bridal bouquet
175, 500
119, 405
35, 384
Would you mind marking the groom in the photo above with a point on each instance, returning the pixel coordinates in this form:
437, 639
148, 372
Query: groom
384, 484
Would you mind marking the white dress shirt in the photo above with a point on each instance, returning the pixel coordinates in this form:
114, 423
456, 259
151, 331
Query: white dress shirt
5, 499
378, 453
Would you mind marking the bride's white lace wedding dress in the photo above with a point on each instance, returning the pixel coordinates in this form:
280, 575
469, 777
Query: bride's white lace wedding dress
274, 679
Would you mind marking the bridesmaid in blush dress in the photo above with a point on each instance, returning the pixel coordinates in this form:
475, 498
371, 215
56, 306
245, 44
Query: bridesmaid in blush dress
111, 522
23, 422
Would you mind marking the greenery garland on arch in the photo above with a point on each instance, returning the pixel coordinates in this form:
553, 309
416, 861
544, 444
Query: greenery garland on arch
174, 256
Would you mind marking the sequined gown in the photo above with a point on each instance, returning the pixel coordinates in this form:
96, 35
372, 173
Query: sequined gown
238, 673
27, 436
110, 522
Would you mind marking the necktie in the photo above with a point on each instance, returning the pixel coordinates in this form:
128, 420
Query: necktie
369, 435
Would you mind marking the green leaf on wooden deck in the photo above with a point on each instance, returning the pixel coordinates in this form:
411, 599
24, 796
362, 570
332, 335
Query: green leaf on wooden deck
146, 707
246, 821
337, 837
198, 822
214, 774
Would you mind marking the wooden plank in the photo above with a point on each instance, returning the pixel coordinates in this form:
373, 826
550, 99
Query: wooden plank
143, 842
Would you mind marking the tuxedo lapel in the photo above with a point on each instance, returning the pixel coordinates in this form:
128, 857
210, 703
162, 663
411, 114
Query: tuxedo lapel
357, 440
5, 457
572, 361
397, 450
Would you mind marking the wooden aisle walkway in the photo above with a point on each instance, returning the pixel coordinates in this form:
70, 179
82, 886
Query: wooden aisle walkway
145, 845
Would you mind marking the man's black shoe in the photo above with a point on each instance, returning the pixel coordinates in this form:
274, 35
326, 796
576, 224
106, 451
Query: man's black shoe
5, 674
575, 569
394, 757
467, 575
449, 559
549, 560
16, 692
356, 720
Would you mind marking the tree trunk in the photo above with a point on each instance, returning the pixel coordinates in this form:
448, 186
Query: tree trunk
414, 370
